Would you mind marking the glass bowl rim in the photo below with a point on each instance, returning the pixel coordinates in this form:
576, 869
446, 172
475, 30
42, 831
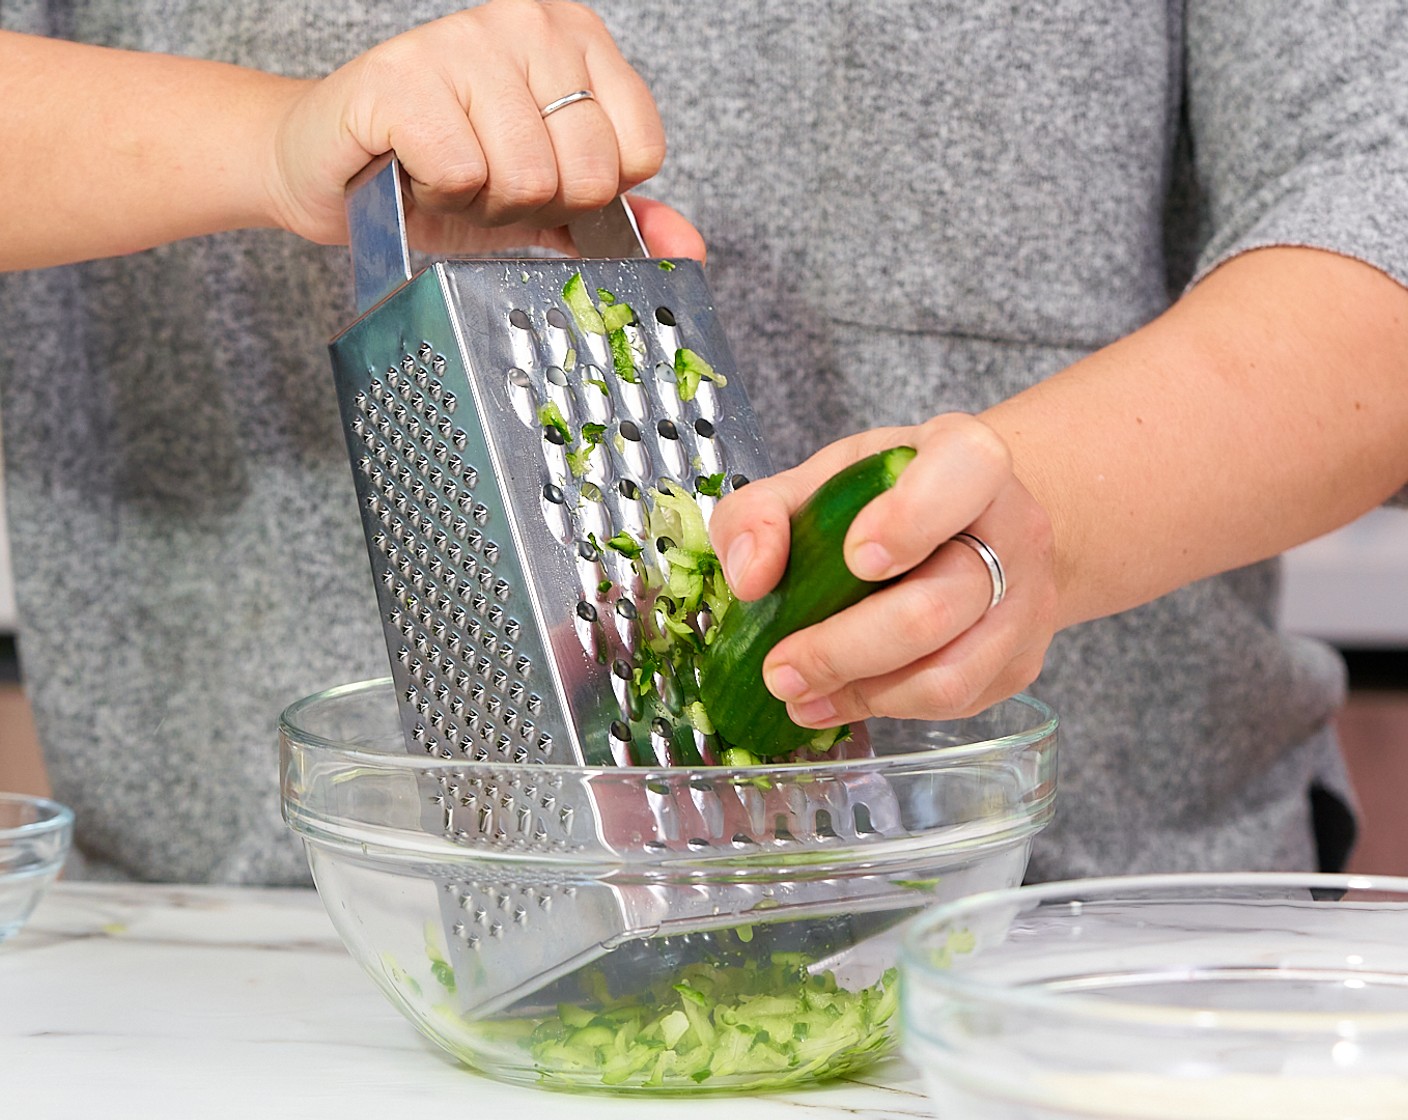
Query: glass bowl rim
1045, 726
1160, 1017
59, 816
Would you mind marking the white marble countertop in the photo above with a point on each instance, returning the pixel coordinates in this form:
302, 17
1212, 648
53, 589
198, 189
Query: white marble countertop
143, 1003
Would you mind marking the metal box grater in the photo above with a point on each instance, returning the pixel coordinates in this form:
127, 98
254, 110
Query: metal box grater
511, 628
486, 546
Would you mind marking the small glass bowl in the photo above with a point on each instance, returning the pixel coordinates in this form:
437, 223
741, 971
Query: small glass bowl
1217, 996
653, 930
35, 834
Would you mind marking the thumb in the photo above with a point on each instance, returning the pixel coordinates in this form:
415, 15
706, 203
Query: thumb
667, 232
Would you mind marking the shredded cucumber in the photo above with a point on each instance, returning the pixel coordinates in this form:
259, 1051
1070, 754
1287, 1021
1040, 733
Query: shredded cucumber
550, 416
746, 1017
710, 485
690, 370
622, 356
579, 302
617, 315
625, 544
770, 1023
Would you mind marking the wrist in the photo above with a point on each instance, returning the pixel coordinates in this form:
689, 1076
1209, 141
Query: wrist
1039, 468
280, 142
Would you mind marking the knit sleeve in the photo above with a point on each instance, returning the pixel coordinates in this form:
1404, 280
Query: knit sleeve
1298, 113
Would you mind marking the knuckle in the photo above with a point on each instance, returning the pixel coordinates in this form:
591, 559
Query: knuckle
389, 61
946, 692
855, 704
579, 17
457, 181
1014, 679
583, 15
1026, 669
644, 159
515, 22
524, 189
542, 21
536, 10
761, 505
1029, 661
926, 600
985, 446
589, 189
819, 666
980, 443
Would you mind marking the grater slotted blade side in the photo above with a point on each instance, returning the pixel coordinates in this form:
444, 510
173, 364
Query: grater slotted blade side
579, 445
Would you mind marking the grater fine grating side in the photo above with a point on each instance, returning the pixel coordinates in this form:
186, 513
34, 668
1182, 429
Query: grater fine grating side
497, 447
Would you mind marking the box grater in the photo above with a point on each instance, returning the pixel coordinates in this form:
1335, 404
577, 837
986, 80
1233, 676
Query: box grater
512, 626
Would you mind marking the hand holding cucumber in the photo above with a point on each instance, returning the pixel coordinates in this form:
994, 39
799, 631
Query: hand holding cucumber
924, 645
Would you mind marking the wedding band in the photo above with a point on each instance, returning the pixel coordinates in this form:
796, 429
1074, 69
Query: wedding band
991, 562
569, 99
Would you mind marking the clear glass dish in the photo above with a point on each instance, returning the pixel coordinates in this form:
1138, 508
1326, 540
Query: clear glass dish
35, 834
1221, 997
682, 952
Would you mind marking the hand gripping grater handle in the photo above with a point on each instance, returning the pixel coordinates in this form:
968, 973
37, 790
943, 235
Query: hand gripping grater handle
467, 391
381, 256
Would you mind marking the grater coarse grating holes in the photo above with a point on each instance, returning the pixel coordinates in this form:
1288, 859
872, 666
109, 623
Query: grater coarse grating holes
512, 627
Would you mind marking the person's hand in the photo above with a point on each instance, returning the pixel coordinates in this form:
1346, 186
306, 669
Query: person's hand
460, 102
927, 645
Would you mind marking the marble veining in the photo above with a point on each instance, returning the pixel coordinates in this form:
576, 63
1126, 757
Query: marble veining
139, 1002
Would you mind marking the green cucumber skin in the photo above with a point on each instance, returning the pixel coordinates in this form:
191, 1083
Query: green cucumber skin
815, 586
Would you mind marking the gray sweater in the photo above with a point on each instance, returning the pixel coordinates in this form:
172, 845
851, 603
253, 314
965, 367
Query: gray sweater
912, 206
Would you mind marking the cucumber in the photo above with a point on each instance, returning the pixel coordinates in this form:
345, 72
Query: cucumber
815, 586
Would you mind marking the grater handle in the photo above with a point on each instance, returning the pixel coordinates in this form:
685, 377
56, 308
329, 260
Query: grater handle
376, 226
608, 232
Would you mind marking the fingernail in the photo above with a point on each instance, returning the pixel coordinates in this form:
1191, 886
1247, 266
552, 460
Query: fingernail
820, 712
786, 683
740, 552
872, 560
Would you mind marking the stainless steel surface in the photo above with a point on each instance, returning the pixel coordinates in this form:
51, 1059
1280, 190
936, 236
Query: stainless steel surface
609, 232
376, 228
512, 630
524, 935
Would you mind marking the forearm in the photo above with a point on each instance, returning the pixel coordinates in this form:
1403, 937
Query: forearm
176, 147
1268, 406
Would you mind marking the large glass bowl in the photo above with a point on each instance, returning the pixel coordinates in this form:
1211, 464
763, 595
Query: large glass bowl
667, 947
1220, 997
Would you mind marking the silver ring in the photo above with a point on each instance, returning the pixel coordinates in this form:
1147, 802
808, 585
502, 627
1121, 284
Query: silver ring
991, 562
569, 99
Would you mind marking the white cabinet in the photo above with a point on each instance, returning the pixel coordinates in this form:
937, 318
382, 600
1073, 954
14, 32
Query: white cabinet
1351, 587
